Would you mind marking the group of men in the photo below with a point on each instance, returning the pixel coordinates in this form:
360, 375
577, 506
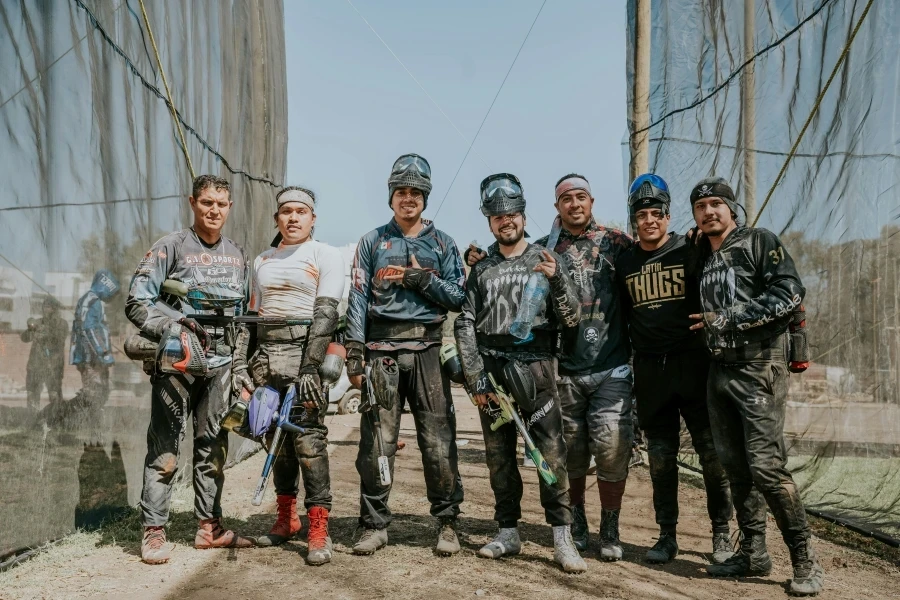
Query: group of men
605, 295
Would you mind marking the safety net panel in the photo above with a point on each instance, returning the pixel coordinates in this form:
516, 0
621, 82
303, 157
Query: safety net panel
835, 209
94, 172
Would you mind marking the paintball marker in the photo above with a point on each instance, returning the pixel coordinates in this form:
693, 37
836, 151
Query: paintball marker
384, 467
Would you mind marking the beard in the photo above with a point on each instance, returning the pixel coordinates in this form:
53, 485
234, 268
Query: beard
509, 236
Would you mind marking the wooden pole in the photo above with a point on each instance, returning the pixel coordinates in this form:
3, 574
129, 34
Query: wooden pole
748, 111
641, 96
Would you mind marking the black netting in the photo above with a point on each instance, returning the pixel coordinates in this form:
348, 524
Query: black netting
836, 208
93, 172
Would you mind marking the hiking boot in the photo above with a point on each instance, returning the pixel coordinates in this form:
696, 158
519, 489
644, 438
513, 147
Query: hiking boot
809, 577
722, 551
505, 543
154, 548
664, 550
447, 542
287, 524
581, 534
319, 541
751, 559
565, 554
610, 548
371, 541
211, 534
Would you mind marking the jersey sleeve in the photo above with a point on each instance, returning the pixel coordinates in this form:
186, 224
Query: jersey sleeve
255, 289
447, 288
143, 293
360, 289
465, 334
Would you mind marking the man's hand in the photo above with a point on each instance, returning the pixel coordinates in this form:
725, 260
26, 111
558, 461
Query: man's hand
197, 330
240, 380
547, 266
395, 273
357, 380
474, 255
716, 320
484, 392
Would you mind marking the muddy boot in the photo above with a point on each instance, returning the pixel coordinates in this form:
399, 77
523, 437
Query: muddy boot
751, 560
505, 543
371, 540
610, 548
319, 541
287, 524
447, 542
154, 548
664, 550
581, 534
211, 534
565, 554
809, 577
721, 543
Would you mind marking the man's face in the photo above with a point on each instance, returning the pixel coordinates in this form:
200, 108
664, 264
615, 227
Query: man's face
651, 224
574, 208
295, 221
713, 215
508, 229
211, 207
408, 203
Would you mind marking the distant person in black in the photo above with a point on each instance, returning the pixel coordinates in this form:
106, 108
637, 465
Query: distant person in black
671, 365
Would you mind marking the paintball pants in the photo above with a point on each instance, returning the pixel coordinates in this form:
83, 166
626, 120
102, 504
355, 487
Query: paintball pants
94, 383
173, 399
597, 421
545, 427
747, 399
667, 388
36, 379
277, 364
427, 390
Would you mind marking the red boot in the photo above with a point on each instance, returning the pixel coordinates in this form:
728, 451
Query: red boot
211, 534
286, 526
318, 538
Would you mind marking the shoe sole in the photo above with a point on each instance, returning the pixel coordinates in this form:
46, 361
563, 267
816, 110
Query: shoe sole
148, 561
366, 552
445, 553
492, 557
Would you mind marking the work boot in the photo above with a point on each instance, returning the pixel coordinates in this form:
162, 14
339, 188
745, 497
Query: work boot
581, 534
319, 541
721, 548
565, 554
751, 559
809, 577
505, 543
287, 524
447, 542
211, 534
610, 548
371, 541
664, 550
154, 548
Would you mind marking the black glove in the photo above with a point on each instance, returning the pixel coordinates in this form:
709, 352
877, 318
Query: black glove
309, 388
356, 354
483, 385
415, 278
198, 330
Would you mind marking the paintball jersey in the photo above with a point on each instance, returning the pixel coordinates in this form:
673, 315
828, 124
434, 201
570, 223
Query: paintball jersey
658, 297
748, 289
375, 303
183, 256
288, 279
493, 294
90, 332
600, 340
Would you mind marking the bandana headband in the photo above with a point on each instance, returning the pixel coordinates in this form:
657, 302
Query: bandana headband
296, 196
573, 183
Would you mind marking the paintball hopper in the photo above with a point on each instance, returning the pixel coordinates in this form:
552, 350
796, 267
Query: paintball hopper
333, 365
451, 364
263, 406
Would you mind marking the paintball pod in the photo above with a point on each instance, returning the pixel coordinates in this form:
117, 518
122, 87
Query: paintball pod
382, 380
799, 347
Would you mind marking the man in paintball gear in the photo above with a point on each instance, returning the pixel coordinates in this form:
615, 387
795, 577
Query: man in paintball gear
91, 350
46, 359
301, 278
484, 333
671, 365
749, 287
197, 256
595, 384
406, 276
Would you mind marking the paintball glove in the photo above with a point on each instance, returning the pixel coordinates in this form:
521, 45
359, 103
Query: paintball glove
198, 330
415, 278
240, 380
356, 353
309, 388
482, 385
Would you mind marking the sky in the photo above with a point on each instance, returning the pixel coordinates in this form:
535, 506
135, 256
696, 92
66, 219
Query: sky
353, 109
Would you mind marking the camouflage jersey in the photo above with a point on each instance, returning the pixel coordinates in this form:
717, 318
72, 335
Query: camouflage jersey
600, 341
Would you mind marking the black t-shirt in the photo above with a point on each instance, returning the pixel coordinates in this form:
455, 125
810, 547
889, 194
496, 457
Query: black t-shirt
658, 297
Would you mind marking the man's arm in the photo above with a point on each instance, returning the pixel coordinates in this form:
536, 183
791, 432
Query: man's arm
97, 333
143, 293
325, 308
447, 288
358, 305
563, 294
464, 332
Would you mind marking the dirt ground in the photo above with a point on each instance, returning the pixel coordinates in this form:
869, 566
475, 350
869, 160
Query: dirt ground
106, 564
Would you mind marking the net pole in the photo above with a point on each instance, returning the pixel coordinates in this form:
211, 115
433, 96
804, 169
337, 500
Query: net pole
640, 141
748, 110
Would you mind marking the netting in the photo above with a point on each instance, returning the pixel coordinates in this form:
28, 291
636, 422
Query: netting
836, 208
93, 173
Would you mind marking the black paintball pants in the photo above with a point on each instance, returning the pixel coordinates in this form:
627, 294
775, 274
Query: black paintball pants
545, 425
668, 388
747, 400
277, 364
426, 389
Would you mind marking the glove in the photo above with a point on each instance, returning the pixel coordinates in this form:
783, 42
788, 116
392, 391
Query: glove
107, 359
356, 352
414, 278
483, 385
240, 380
309, 388
198, 330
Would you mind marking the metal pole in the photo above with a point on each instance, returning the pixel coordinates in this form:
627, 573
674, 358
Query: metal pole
641, 97
748, 111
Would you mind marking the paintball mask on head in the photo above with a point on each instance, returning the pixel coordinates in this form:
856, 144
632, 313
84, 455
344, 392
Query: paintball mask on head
502, 194
410, 170
648, 191
105, 284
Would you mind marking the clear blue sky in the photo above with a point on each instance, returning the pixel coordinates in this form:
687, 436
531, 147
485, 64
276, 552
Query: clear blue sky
353, 109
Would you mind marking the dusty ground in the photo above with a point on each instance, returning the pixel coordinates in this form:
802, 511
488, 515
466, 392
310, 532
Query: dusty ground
105, 564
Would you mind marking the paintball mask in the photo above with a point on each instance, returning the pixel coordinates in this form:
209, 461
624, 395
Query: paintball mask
502, 194
180, 351
648, 191
410, 170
